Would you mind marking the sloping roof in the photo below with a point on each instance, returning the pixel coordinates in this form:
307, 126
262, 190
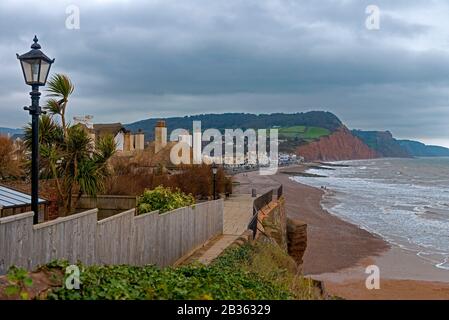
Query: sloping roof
103, 129
10, 198
163, 156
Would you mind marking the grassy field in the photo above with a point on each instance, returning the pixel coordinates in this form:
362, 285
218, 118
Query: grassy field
303, 133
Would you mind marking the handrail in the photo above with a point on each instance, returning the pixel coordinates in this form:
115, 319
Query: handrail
280, 191
261, 202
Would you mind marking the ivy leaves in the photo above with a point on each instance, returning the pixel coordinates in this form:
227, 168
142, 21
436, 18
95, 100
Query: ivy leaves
19, 282
224, 279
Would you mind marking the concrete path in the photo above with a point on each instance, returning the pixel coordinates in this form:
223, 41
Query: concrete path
238, 211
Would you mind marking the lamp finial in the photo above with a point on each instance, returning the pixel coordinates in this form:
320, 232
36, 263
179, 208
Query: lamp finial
35, 45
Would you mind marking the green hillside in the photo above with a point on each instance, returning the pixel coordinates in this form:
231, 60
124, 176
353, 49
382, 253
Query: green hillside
303, 133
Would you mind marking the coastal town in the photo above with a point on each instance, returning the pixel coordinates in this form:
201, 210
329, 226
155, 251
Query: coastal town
244, 152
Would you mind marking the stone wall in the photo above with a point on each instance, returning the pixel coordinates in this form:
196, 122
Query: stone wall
107, 205
107, 202
273, 222
288, 233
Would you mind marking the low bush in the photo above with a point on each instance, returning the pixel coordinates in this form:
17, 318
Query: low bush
11, 159
18, 283
163, 199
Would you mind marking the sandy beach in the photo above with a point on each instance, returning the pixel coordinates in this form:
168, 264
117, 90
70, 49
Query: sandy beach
338, 252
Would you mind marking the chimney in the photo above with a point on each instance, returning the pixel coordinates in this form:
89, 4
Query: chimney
139, 140
128, 144
160, 136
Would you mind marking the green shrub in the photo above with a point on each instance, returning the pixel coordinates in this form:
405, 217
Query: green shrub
163, 199
224, 280
18, 282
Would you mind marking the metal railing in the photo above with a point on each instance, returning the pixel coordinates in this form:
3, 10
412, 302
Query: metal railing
253, 225
262, 201
259, 203
280, 191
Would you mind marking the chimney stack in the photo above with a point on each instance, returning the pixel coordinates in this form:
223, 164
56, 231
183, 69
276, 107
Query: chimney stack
160, 136
139, 140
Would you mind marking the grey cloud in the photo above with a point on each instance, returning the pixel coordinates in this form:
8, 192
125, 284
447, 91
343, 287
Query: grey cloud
135, 59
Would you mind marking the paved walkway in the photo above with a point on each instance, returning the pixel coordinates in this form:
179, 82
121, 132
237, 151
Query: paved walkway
237, 214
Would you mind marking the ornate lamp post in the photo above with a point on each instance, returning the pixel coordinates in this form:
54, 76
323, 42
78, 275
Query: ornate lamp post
35, 67
214, 173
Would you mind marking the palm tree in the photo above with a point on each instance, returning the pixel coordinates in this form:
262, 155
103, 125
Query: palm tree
59, 86
49, 132
67, 153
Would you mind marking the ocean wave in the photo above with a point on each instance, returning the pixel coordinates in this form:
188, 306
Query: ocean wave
405, 212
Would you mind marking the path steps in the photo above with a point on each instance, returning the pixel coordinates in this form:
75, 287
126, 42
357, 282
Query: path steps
238, 211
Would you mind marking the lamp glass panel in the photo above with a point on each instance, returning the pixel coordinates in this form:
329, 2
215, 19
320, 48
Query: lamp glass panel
45, 68
31, 70
26, 67
35, 66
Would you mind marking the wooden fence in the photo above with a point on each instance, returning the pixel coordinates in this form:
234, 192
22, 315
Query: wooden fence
152, 238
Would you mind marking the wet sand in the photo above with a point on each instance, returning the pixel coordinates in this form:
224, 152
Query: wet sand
402, 276
338, 252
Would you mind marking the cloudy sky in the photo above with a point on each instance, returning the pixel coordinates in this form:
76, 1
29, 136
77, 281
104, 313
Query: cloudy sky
132, 60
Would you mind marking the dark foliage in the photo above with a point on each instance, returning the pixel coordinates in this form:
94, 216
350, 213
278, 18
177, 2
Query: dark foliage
242, 120
196, 180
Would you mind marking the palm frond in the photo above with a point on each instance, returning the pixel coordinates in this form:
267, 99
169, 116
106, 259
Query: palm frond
49, 132
105, 148
53, 107
90, 178
78, 142
60, 86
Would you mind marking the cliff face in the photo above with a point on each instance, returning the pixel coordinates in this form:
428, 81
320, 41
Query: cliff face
383, 142
341, 145
297, 239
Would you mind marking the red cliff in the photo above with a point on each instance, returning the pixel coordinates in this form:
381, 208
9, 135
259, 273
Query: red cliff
341, 145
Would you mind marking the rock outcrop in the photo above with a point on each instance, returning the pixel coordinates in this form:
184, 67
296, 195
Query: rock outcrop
341, 145
297, 239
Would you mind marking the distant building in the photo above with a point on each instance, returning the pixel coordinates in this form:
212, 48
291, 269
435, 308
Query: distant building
160, 136
125, 141
288, 159
18, 137
159, 150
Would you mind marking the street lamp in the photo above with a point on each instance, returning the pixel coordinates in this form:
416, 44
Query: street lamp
214, 172
35, 67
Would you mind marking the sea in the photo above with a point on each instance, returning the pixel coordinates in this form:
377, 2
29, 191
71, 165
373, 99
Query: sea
405, 201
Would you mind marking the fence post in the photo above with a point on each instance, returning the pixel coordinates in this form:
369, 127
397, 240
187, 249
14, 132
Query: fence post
253, 193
